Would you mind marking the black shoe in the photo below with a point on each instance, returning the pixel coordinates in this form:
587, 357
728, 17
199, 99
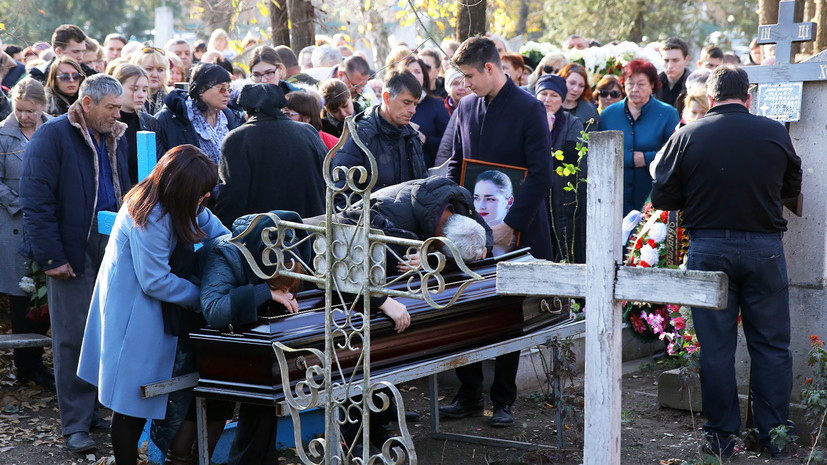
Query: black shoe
717, 448
79, 442
776, 453
101, 424
43, 377
502, 417
460, 408
411, 416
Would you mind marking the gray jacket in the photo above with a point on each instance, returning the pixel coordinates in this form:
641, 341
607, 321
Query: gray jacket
12, 146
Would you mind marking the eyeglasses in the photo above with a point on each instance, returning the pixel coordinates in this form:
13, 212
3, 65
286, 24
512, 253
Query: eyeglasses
66, 77
548, 69
153, 49
269, 74
610, 93
222, 89
291, 114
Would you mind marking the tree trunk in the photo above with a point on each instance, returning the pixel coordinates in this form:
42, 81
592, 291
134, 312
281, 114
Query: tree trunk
768, 11
279, 23
377, 35
303, 24
809, 14
522, 19
820, 19
471, 19
636, 33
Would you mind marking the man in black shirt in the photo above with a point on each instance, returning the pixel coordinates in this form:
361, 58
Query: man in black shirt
675, 54
728, 172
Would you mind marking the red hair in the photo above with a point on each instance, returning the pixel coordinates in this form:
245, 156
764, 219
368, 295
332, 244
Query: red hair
572, 68
641, 66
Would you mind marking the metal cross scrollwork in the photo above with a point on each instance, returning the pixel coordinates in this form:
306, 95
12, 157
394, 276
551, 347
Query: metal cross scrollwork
349, 263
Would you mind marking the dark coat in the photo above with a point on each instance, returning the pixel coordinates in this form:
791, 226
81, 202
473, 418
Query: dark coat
397, 150
667, 95
568, 210
413, 209
177, 127
511, 130
270, 162
59, 187
446, 145
230, 291
432, 118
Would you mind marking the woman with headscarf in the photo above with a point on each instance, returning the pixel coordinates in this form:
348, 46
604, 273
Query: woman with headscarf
200, 116
568, 208
62, 85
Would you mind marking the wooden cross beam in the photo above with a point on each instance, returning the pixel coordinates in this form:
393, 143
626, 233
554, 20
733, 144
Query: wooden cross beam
783, 35
604, 284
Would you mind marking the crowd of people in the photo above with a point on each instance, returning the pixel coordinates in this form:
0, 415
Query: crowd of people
232, 141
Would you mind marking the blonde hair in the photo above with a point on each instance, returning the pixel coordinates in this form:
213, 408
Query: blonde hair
29, 89
216, 34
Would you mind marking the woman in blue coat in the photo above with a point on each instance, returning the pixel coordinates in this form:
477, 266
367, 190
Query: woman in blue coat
125, 344
646, 122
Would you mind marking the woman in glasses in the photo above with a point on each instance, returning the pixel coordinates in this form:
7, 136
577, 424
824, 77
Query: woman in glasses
578, 102
200, 115
550, 64
154, 61
144, 294
431, 117
62, 84
646, 122
266, 67
608, 91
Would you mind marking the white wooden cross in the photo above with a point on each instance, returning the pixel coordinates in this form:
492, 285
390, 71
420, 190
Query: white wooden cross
604, 284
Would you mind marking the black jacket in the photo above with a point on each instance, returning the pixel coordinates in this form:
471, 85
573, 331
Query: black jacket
270, 162
667, 95
568, 209
728, 170
397, 150
176, 124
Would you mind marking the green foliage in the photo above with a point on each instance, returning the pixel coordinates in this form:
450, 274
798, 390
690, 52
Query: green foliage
27, 21
557, 378
814, 397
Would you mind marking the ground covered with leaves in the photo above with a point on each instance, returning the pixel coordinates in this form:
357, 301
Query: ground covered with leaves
30, 427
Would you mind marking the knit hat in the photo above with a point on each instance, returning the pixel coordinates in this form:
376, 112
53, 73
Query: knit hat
205, 76
450, 76
552, 82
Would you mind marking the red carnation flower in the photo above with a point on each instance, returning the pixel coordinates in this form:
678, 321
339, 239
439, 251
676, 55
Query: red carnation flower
644, 265
652, 243
664, 217
639, 243
679, 323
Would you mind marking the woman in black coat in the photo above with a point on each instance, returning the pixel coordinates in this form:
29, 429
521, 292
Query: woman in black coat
568, 208
431, 116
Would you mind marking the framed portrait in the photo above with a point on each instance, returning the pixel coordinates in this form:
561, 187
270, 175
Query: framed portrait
494, 187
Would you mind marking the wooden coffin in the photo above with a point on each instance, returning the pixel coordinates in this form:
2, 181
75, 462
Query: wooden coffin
242, 366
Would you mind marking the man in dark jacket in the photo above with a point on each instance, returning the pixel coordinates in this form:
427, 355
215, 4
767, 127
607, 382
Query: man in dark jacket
388, 135
270, 161
504, 125
675, 53
728, 172
75, 166
69, 40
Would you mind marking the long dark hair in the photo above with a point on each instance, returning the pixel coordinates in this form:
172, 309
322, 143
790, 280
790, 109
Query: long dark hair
181, 177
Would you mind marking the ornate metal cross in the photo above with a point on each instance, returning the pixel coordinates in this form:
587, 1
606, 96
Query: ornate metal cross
349, 264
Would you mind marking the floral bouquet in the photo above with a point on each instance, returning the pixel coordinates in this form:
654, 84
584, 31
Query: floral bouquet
535, 51
657, 241
34, 283
610, 59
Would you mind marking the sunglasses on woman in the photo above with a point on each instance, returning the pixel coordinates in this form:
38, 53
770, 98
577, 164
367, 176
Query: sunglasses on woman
610, 93
153, 49
548, 69
66, 77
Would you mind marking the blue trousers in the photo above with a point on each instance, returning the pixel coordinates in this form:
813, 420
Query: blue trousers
758, 290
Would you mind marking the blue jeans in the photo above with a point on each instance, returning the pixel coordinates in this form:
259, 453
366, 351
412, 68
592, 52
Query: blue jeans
758, 288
